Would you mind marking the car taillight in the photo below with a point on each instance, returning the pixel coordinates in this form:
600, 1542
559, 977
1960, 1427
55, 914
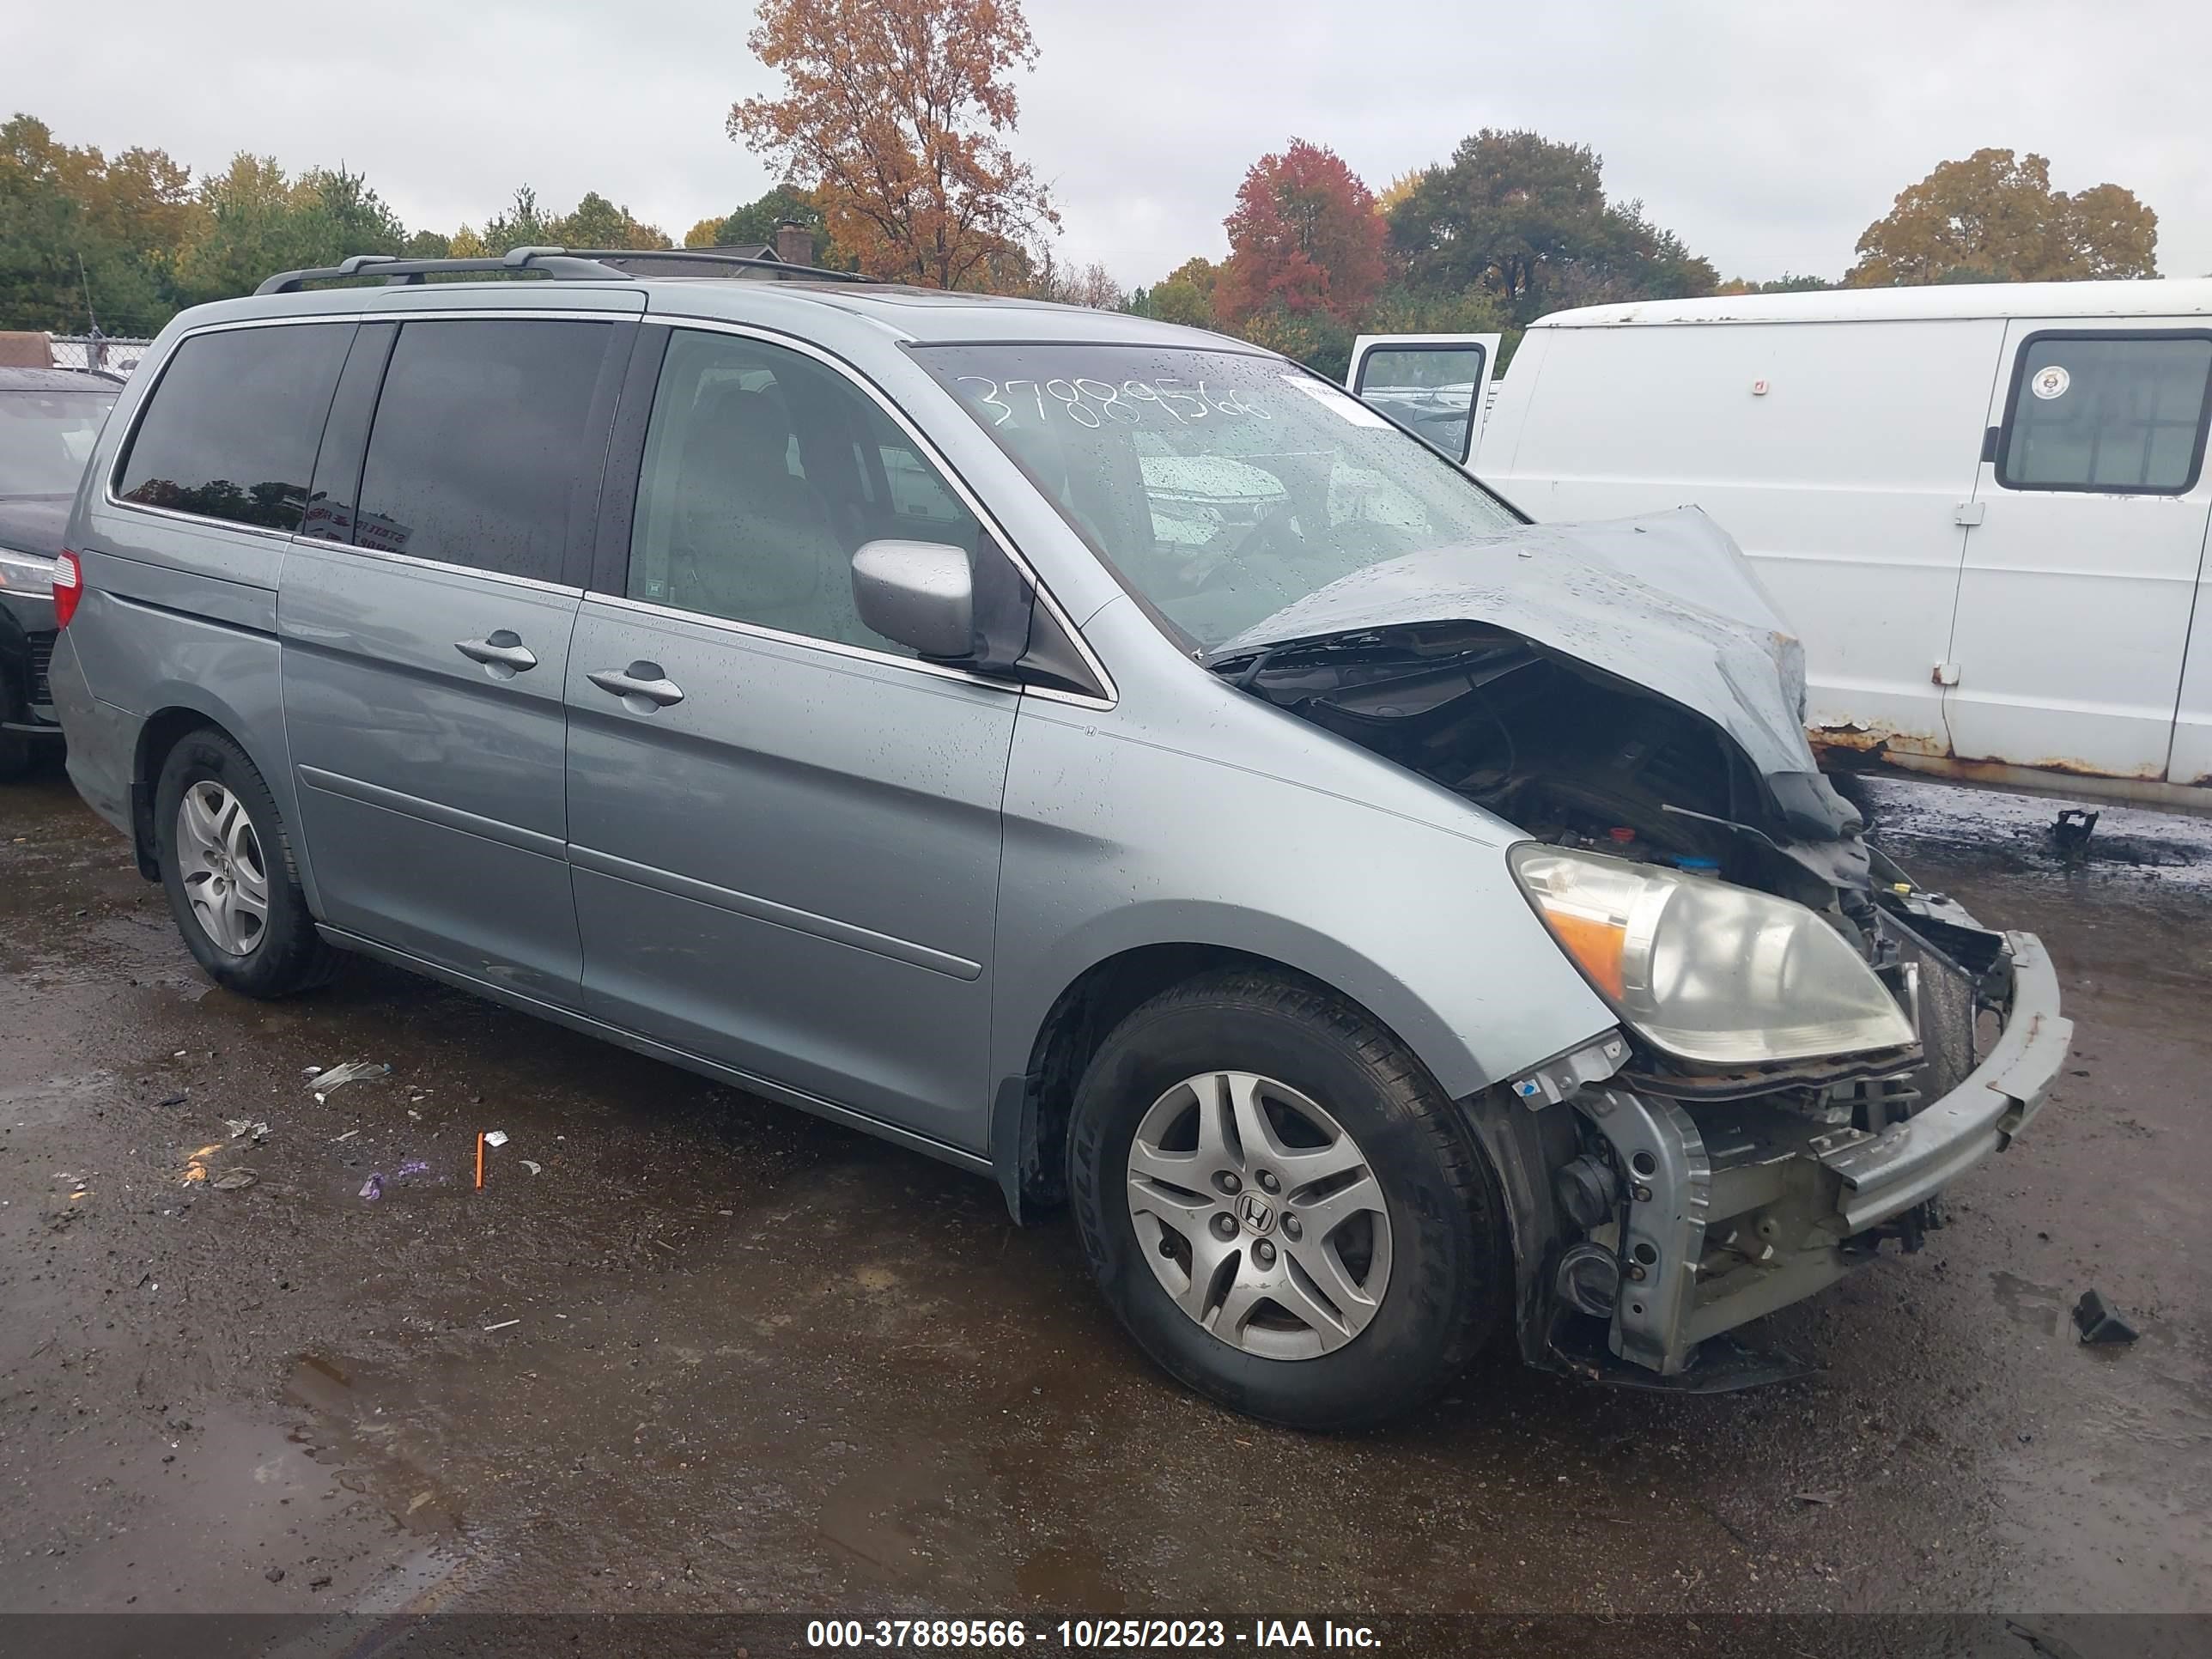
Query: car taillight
69, 587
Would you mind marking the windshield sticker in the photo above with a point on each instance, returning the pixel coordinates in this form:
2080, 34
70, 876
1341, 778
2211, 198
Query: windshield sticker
2052, 382
1341, 404
1094, 403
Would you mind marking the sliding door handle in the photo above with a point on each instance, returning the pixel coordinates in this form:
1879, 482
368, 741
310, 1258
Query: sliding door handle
641, 686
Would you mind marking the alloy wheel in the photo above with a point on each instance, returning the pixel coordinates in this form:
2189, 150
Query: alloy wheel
1259, 1215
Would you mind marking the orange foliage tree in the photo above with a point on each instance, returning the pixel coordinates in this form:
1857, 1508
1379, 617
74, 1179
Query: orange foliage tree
1304, 237
895, 114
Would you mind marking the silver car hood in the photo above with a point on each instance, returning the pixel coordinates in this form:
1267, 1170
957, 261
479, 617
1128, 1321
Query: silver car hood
1666, 601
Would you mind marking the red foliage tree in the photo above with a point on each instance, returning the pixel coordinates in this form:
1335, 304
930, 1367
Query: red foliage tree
1304, 237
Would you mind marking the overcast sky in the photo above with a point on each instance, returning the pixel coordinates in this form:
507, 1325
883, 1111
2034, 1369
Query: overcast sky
1767, 135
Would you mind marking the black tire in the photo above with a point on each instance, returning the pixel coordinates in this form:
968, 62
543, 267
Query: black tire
1450, 1281
290, 955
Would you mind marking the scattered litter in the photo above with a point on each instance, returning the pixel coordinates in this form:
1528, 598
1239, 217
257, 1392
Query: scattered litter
196, 1163
312, 1070
495, 1137
2097, 1322
1822, 1498
241, 1127
503, 1324
172, 1100
373, 1189
352, 1071
533, 1168
347, 1135
412, 1113
231, 1181
179, 1054
413, 1166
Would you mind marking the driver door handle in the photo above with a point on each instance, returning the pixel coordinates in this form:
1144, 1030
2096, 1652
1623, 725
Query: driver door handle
503, 650
640, 681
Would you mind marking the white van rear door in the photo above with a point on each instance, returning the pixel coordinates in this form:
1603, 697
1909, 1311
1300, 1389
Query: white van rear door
2085, 543
1436, 384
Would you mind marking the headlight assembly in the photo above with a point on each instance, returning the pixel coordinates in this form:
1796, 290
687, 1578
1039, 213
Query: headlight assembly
1708, 972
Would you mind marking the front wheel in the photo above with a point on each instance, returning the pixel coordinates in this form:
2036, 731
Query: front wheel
1281, 1206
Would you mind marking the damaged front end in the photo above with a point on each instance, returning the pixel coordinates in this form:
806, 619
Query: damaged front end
1810, 1047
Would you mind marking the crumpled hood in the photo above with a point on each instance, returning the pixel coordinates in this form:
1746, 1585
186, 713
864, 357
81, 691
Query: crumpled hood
33, 524
1666, 601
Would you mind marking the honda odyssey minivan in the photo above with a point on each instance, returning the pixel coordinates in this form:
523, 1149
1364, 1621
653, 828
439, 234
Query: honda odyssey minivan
1101, 755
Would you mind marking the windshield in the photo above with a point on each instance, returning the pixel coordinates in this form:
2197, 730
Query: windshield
1222, 487
47, 437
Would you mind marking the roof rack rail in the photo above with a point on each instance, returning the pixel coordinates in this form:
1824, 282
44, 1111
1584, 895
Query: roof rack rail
556, 264
713, 258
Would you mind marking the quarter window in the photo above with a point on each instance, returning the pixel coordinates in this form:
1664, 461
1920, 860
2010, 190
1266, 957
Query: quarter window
2108, 413
480, 452
764, 473
230, 432
1430, 388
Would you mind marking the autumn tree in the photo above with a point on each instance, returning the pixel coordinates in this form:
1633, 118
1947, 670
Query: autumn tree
1994, 218
895, 117
1303, 238
1526, 218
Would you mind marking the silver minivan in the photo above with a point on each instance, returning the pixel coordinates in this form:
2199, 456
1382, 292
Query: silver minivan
1103, 755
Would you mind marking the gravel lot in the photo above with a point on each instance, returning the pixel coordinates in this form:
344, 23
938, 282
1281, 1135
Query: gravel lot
714, 1355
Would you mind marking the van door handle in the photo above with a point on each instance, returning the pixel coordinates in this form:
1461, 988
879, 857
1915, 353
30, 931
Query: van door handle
641, 686
504, 649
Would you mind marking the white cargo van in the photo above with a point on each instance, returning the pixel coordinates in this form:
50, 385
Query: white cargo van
1984, 507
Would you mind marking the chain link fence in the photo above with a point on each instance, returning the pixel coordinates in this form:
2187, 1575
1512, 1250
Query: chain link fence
105, 351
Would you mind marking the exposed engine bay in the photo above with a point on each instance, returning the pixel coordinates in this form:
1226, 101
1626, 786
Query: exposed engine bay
1681, 1198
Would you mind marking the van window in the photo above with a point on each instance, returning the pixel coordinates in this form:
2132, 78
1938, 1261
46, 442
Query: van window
1430, 388
764, 473
2108, 413
480, 440
230, 432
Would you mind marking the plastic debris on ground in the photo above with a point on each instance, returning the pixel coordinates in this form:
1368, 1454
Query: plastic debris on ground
413, 1166
195, 1169
231, 1181
503, 1324
534, 1169
339, 1075
373, 1189
241, 1127
495, 1137
2094, 1318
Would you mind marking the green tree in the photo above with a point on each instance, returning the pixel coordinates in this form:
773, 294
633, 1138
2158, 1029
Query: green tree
1185, 294
259, 221
1526, 219
1994, 218
599, 223
754, 225
84, 238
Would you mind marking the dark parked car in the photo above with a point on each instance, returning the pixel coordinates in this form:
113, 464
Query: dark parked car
49, 420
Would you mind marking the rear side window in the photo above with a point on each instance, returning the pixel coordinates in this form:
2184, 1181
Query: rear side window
230, 432
2108, 413
479, 454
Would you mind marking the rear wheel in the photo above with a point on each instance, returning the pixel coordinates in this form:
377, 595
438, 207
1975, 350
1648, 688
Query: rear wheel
1281, 1206
227, 865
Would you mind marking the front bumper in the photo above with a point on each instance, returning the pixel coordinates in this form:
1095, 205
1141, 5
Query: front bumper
1742, 1207
1885, 1174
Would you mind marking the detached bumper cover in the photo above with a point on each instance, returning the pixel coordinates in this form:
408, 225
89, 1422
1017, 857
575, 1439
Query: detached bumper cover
1915, 1159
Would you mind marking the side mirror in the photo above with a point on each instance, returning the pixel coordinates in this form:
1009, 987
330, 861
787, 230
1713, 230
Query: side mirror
920, 594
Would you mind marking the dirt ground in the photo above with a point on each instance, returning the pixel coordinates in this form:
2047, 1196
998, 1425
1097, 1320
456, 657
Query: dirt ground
713, 1354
